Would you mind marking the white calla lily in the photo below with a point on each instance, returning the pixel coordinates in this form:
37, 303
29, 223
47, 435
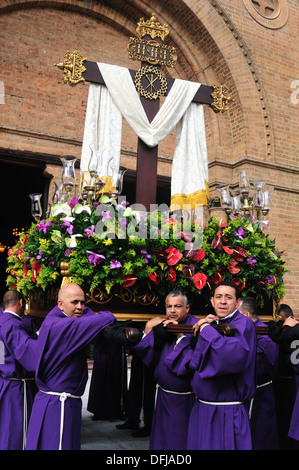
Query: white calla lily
80, 208
61, 209
71, 241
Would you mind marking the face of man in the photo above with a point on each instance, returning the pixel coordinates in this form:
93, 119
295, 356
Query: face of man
72, 301
224, 301
176, 309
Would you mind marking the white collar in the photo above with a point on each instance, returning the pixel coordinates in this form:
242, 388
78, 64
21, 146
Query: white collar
228, 316
13, 313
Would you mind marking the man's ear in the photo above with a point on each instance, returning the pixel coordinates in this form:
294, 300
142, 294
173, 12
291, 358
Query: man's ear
212, 301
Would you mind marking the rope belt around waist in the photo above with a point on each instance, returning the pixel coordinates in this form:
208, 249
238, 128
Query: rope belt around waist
252, 399
63, 396
172, 391
169, 391
219, 403
25, 408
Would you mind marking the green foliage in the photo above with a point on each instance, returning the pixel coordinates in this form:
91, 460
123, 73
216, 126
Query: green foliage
108, 246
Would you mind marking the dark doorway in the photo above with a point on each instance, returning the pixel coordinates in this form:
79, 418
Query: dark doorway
17, 181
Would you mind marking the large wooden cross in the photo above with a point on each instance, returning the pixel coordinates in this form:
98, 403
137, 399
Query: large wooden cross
147, 157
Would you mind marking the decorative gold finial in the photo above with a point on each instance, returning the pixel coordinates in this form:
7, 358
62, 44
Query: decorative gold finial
72, 67
152, 27
220, 98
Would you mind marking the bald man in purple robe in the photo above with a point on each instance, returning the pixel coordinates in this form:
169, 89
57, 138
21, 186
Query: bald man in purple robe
223, 379
61, 372
174, 399
17, 365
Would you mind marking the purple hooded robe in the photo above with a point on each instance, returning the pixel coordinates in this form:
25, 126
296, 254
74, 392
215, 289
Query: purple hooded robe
263, 409
223, 383
62, 367
17, 385
174, 398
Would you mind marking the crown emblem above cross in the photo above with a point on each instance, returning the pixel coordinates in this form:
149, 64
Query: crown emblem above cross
151, 83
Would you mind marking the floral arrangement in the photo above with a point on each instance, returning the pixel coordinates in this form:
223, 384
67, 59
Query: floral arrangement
112, 245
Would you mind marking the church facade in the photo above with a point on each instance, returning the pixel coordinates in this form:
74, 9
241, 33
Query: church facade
250, 46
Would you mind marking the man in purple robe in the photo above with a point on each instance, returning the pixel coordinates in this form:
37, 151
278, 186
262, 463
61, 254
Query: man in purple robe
17, 366
61, 371
262, 409
174, 397
224, 375
287, 336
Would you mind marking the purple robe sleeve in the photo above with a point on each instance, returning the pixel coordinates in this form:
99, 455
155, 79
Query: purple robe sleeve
224, 355
20, 346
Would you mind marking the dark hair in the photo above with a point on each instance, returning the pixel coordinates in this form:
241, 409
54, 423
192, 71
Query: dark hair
229, 284
11, 297
286, 309
248, 305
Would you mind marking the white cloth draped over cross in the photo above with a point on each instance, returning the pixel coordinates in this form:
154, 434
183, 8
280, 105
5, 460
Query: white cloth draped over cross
103, 127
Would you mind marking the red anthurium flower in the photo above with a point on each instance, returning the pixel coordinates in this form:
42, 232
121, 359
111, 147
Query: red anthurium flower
188, 270
25, 270
188, 237
195, 255
25, 240
228, 250
36, 267
238, 282
239, 250
129, 280
155, 278
199, 280
19, 254
174, 256
232, 267
223, 224
171, 274
217, 277
216, 242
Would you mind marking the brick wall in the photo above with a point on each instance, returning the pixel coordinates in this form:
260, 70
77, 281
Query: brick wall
217, 42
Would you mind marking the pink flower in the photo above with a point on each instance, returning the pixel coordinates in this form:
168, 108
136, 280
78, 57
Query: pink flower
94, 258
114, 264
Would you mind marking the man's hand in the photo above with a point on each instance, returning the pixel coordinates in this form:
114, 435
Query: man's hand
290, 321
152, 323
203, 321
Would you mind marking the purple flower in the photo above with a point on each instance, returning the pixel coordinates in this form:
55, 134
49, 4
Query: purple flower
40, 254
73, 202
251, 261
68, 252
106, 215
147, 256
42, 226
89, 231
115, 264
67, 223
240, 233
94, 258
